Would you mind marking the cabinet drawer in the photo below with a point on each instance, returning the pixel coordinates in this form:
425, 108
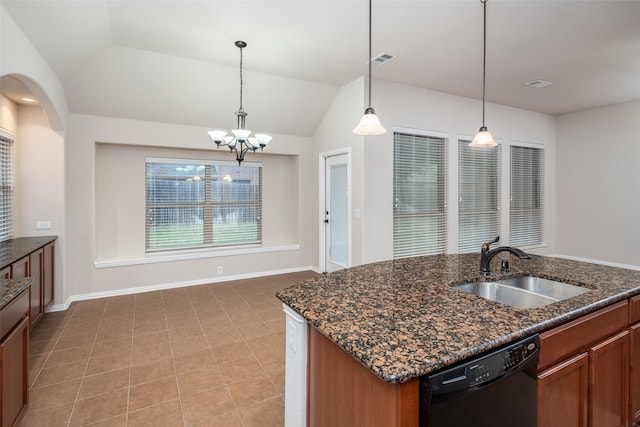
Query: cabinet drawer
634, 309
14, 312
575, 336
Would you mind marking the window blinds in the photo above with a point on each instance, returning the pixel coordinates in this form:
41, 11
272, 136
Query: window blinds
419, 192
478, 195
192, 204
6, 189
527, 201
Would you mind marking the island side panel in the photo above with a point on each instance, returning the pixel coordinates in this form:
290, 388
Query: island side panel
342, 392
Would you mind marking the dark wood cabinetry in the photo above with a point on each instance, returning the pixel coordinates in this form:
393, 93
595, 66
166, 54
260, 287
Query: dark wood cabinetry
14, 357
562, 393
48, 271
39, 265
584, 371
36, 264
634, 361
342, 392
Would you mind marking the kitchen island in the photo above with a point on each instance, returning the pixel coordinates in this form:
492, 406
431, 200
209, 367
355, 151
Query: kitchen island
403, 319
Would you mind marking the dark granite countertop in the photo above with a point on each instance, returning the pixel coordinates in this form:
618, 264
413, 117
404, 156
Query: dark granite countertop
14, 249
11, 288
403, 319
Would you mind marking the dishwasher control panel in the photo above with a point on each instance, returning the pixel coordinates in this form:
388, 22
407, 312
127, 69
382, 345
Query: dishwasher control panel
486, 368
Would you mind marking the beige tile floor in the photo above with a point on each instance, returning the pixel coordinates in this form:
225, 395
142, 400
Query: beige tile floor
210, 355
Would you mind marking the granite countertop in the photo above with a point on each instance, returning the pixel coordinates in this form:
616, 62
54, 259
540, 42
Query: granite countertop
14, 249
403, 319
11, 288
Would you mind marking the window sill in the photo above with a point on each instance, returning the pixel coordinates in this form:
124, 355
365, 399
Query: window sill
190, 255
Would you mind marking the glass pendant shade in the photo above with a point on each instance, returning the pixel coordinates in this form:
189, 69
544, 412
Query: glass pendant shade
263, 139
217, 136
369, 124
483, 139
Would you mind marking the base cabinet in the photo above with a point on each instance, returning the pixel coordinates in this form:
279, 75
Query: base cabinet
583, 371
634, 362
609, 382
14, 359
39, 264
563, 393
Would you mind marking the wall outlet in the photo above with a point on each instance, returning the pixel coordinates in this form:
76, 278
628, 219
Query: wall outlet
43, 225
220, 271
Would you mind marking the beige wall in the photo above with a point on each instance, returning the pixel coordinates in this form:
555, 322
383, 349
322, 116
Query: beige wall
107, 250
410, 107
8, 114
599, 184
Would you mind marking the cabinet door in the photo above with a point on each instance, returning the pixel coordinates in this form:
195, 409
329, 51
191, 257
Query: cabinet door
48, 274
14, 354
5, 273
634, 373
562, 394
609, 382
20, 268
36, 261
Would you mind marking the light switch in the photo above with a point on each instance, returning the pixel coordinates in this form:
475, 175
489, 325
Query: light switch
43, 225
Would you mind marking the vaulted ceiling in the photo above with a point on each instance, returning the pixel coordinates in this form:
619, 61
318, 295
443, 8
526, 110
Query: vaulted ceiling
175, 61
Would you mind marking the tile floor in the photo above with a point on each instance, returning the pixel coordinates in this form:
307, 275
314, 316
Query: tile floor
210, 355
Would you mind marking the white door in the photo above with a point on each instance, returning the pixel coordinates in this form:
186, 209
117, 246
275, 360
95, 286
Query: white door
336, 213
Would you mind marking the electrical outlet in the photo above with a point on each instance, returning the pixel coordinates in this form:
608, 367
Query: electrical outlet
43, 225
220, 271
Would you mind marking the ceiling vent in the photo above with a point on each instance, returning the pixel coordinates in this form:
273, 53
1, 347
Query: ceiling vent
538, 83
382, 58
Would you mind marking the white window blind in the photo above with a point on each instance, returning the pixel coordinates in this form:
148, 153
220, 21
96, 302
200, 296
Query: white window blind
194, 204
419, 192
478, 195
6, 189
527, 197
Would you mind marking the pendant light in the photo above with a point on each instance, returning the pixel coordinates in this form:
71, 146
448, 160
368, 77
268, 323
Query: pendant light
483, 137
369, 123
241, 141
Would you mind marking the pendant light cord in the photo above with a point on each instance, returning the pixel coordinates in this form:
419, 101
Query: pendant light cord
370, 53
241, 83
484, 58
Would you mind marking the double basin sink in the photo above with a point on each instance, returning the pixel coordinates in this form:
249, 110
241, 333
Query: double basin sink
523, 291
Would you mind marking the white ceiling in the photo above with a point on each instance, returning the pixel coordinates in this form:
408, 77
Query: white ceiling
306, 49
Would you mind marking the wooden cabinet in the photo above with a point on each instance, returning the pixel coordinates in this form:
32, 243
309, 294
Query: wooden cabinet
36, 264
634, 374
594, 347
634, 360
609, 382
355, 396
20, 268
39, 264
14, 358
48, 273
562, 393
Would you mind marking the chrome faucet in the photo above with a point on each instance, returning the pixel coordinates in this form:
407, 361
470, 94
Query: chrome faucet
487, 254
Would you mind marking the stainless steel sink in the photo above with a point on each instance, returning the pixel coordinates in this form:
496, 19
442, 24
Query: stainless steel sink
523, 291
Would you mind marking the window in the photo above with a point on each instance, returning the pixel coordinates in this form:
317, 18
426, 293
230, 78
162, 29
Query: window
6, 189
527, 201
195, 204
419, 192
478, 196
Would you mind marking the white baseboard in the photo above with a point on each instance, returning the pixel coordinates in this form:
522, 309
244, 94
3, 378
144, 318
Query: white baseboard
597, 261
163, 286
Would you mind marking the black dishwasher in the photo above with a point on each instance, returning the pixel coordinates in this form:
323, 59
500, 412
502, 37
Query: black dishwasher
495, 389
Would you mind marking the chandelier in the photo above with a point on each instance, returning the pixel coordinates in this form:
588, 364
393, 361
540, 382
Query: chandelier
241, 141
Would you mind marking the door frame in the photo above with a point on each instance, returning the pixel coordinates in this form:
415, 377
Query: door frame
322, 168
